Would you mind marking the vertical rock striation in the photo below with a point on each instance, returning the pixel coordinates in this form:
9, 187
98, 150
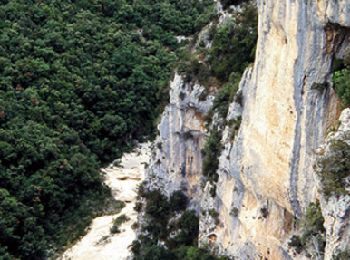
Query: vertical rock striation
286, 105
176, 160
266, 174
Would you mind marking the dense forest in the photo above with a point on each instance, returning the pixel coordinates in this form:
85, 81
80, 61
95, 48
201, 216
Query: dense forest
79, 81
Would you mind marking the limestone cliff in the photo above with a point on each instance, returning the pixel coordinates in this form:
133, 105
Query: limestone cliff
267, 176
176, 160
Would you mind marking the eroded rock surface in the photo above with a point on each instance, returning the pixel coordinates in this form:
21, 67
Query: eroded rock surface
266, 175
269, 166
176, 160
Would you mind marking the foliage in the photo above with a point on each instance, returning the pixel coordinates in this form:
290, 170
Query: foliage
313, 231
227, 3
233, 48
335, 168
234, 43
341, 80
118, 222
345, 255
226, 95
168, 222
195, 253
193, 68
178, 201
79, 80
211, 152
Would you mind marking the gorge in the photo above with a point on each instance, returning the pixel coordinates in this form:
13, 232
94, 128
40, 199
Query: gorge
286, 109
231, 120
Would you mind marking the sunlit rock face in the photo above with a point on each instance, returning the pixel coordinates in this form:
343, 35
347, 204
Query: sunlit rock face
266, 174
176, 161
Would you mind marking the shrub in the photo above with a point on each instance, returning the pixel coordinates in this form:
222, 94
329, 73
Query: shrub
188, 226
345, 255
234, 212
342, 85
178, 201
157, 205
295, 242
194, 253
138, 206
117, 223
234, 44
312, 230
212, 191
211, 153
264, 212
335, 168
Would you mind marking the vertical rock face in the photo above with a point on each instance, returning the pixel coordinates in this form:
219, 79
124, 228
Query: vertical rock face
266, 174
176, 161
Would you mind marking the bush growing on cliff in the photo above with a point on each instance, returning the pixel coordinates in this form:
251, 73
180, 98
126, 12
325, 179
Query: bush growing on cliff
335, 168
211, 153
195, 253
234, 44
342, 85
188, 226
167, 221
312, 229
178, 201
345, 255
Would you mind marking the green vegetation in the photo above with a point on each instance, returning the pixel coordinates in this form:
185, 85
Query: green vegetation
194, 253
335, 168
211, 153
342, 256
234, 43
171, 231
342, 85
225, 96
233, 48
79, 80
313, 231
117, 223
341, 78
170, 223
178, 201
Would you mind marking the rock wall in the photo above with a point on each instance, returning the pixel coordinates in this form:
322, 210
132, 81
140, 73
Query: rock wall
266, 175
176, 160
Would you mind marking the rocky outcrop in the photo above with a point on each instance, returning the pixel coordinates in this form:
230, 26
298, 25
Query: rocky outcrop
176, 160
285, 104
336, 208
266, 174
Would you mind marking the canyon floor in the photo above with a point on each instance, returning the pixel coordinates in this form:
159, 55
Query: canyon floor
123, 180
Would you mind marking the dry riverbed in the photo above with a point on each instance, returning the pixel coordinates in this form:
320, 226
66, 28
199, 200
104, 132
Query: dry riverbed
99, 243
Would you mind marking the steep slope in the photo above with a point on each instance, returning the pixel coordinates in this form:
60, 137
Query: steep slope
266, 174
286, 105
